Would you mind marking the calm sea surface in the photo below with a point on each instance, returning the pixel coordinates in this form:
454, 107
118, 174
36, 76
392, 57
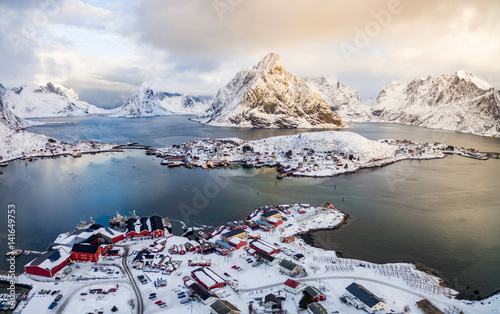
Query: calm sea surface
443, 214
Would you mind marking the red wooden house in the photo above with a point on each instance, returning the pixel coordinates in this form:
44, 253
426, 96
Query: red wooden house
48, 263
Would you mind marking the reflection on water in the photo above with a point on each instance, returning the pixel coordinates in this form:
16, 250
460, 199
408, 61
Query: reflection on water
441, 213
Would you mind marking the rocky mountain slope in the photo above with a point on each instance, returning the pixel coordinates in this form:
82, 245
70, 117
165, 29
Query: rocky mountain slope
267, 96
458, 102
342, 99
13, 139
32, 101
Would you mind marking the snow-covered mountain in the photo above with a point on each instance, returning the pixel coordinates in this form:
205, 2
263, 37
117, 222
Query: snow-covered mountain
141, 104
184, 104
32, 101
342, 99
458, 102
13, 140
266, 96
7, 116
147, 103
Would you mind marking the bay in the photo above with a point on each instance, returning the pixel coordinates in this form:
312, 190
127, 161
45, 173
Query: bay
443, 214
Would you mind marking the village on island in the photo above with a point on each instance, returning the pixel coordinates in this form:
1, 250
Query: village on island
256, 265
317, 154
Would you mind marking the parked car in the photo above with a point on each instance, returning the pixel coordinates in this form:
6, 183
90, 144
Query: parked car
52, 305
59, 296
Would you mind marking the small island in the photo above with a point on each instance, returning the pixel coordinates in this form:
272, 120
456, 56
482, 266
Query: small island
313, 154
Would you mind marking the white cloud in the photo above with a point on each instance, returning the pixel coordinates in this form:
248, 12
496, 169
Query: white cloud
113, 47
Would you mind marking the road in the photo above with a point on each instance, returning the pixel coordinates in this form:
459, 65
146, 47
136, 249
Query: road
351, 278
140, 303
67, 298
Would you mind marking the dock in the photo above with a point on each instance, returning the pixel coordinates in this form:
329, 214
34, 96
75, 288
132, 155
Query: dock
19, 252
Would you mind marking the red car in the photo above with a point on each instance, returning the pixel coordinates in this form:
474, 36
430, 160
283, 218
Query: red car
158, 302
234, 267
227, 274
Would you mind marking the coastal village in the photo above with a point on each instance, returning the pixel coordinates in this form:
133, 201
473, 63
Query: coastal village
256, 265
306, 154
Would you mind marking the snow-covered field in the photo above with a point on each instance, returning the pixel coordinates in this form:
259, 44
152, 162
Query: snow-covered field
399, 285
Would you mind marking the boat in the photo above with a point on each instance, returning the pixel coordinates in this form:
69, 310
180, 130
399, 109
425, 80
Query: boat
167, 224
15, 252
170, 163
85, 224
76, 154
4, 164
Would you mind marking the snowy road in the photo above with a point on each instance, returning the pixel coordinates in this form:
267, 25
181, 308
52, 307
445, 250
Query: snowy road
140, 303
351, 278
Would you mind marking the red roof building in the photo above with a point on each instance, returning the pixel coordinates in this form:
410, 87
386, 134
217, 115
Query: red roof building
293, 286
88, 253
237, 243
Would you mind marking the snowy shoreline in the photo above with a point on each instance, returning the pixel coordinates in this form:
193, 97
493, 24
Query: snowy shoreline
399, 284
319, 154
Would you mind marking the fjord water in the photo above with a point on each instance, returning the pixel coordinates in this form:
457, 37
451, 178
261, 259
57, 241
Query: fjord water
443, 214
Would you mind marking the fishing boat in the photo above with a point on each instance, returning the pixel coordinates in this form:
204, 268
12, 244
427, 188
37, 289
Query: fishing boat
85, 224
15, 252
76, 154
167, 224
4, 164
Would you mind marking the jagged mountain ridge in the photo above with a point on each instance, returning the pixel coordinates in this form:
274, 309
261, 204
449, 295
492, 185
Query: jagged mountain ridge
458, 102
13, 139
267, 96
141, 104
147, 103
342, 99
183, 103
32, 101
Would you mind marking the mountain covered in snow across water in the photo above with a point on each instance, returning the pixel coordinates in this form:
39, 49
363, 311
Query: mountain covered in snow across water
141, 104
267, 96
184, 104
147, 103
32, 101
457, 102
342, 99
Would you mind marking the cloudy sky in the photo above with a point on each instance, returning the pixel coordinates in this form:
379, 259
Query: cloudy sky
107, 49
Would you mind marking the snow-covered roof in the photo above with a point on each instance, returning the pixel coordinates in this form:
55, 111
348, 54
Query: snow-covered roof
264, 246
77, 236
204, 278
236, 241
51, 259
